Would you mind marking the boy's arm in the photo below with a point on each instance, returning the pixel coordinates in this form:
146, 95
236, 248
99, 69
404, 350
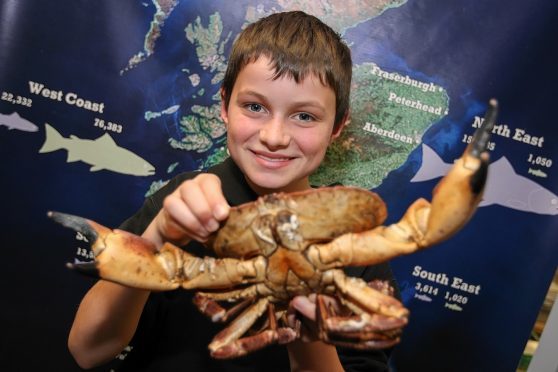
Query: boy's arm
308, 353
109, 313
105, 322
107, 318
313, 356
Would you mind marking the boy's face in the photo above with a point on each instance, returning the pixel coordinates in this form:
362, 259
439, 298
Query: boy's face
278, 130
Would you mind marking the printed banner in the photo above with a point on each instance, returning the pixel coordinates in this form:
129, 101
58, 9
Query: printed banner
102, 102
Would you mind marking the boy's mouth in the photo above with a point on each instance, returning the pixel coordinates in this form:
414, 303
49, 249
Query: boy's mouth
272, 157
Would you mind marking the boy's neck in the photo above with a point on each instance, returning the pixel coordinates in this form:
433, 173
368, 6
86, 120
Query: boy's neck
300, 185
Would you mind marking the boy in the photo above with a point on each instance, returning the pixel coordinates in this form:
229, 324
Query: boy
285, 97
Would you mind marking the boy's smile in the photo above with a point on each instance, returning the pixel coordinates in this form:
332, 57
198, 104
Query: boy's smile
278, 130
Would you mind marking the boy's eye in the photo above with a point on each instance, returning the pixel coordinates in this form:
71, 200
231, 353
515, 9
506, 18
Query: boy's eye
254, 107
304, 116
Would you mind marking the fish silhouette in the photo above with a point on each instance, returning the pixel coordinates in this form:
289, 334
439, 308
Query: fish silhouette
101, 153
503, 187
14, 121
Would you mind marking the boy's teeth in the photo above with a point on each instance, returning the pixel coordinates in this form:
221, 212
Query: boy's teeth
273, 159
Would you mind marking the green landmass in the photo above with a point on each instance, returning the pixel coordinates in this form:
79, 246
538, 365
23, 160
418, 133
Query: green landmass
209, 44
154, 187
362, 158
163, 8
171, 167
203, 128
339, 15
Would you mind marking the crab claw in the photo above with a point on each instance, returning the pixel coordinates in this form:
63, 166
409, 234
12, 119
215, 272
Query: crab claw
457, 195
454, 200
81, 226
122, 257
75, 223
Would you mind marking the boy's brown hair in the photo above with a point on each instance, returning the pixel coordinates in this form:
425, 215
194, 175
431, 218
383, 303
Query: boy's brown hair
298, 44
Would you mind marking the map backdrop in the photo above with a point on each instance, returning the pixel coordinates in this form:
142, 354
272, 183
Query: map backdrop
103, 101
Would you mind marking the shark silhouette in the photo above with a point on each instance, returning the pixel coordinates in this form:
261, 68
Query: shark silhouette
101, 153
503, 187
14, 121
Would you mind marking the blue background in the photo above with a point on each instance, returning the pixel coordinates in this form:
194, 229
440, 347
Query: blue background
474, 49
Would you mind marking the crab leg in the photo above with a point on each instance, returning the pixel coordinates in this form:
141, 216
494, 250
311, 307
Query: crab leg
454, 201
216, 312
229, 344
130, 260
359, 293
377, 317
217, 273
207, 302
237, 328
362, 331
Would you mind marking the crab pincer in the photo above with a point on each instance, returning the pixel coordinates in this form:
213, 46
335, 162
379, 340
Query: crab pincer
123, 257
86, 229
480, 139
456, 197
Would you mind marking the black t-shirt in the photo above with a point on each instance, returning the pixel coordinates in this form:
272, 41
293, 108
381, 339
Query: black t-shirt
173, 335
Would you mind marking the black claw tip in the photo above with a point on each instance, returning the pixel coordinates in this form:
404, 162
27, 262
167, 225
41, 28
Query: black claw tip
482, 135
87, 268
75, 223
478, 180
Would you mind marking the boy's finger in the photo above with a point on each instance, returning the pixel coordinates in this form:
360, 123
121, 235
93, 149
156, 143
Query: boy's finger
194, 198
303, 305
179, 215
211, 187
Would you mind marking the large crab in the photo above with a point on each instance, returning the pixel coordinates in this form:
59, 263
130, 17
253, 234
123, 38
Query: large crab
283, 245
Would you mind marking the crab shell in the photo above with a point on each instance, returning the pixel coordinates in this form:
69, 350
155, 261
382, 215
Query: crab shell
314, 216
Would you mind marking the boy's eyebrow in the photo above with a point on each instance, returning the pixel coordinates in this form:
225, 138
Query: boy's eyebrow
310, 102
252, 93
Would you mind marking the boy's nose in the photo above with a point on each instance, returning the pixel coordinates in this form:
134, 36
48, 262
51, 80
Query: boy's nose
274, 135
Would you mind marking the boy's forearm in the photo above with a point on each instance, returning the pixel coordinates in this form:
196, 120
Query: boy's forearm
313, 356
105, 322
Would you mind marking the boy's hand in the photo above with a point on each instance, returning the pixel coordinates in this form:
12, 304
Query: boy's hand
193, 211
306, 306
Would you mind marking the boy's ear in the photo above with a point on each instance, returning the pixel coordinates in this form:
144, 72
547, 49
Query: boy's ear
224, 112
344, 122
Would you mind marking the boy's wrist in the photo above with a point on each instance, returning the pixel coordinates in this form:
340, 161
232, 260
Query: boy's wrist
313, 356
